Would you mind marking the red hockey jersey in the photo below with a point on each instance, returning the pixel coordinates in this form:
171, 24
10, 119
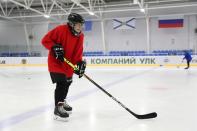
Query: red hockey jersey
73, 48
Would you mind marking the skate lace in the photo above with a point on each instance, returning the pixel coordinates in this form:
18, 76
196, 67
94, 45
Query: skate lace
62, 110
66, 105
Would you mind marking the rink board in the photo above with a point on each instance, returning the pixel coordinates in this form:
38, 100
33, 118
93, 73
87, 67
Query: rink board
104, 61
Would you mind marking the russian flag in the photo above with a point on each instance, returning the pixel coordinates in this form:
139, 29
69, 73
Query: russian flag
171, 23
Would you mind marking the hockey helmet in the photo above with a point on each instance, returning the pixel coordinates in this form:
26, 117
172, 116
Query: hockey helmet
73, 19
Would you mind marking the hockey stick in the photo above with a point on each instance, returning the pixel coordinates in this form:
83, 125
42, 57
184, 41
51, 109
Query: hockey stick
180, 64
144, 116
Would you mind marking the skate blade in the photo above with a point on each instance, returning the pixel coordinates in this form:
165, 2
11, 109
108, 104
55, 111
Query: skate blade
58, 118
69, 112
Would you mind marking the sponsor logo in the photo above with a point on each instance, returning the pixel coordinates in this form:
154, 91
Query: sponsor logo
123, 61
166, 60
194, 60
2, 62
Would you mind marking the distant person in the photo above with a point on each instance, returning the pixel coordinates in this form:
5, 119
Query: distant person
188, 58
65, 41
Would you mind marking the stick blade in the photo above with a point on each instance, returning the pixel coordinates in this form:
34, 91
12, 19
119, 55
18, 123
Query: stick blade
147, 116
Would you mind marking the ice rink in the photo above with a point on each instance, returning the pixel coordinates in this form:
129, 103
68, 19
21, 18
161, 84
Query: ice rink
27, 104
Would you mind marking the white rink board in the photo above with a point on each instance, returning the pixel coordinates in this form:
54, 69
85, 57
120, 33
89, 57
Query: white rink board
18, 60
103, 60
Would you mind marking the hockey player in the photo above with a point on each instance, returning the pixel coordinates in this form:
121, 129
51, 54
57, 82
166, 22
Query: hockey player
188, 58
64, 41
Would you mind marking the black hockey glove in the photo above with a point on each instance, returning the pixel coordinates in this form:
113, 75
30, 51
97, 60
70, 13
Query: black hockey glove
58, 51
81, 66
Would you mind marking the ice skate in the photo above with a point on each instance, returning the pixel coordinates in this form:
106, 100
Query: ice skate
67, 107
60, 113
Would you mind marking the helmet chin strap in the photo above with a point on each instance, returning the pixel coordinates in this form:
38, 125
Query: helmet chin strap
75, 33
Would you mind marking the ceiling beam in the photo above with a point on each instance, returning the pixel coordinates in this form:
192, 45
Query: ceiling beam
34, 10
85, 8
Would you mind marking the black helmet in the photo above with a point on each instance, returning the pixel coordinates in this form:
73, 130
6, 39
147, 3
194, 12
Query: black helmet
74, 18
